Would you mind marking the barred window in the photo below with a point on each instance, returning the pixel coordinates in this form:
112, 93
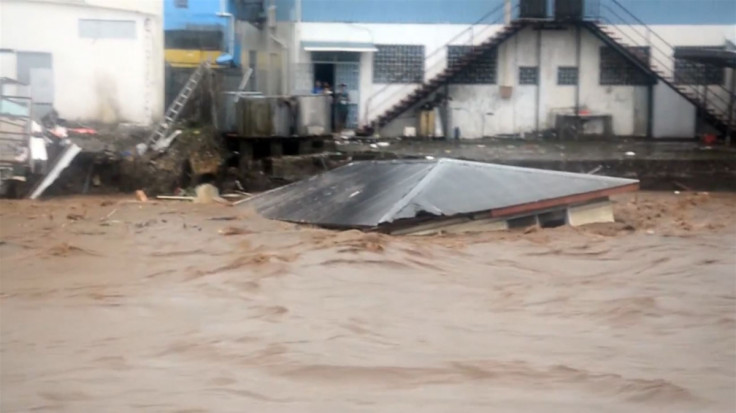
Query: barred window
615, 69
567, 75
398, 64
481, 71
193, 39
688, 72
528, 75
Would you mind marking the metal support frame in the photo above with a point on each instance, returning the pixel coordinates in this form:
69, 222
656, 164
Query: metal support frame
578, 58
539, 79
446, 109
729, 129
650, 111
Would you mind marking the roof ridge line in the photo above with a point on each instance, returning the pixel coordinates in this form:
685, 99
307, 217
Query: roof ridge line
406, 199
529, 169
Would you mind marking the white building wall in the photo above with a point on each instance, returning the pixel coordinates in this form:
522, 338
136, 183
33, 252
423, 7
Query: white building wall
432, 37
619, 101
558, 49
674, 116
107, 80
480, 111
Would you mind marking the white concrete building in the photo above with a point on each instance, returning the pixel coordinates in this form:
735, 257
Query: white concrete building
365, 42
91, 60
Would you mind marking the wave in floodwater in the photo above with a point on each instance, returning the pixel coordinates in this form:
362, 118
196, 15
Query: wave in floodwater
163, 310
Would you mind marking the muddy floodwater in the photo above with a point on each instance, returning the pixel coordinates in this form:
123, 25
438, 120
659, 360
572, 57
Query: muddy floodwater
108, 305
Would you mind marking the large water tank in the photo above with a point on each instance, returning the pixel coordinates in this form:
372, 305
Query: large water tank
264, 116
314, 115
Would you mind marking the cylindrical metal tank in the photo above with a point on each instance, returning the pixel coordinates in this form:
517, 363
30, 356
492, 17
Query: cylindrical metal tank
227, 121
313, 115
264, 116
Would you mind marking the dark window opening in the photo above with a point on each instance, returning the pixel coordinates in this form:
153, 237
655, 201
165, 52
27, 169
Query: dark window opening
567, 76
329, 57
528, 75
318, 145
261, 149
522, 222
325, 73
398, 64
688, 72
553, 219
481, 71
615, 69
193, 39
291, 147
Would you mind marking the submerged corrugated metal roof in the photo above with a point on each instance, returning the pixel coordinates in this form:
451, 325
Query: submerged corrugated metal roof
371, 193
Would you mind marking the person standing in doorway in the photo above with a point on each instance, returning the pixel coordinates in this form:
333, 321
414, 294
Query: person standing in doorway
342, 104
328, 92
317, 88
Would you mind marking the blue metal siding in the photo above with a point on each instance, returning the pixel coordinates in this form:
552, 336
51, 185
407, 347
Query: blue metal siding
200, 14
683, 11
468, 11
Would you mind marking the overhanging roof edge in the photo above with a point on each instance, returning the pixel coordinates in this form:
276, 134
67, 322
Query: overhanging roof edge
329, 46
406, 199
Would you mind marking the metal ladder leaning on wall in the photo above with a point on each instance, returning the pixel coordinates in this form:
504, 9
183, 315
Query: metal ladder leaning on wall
158, 139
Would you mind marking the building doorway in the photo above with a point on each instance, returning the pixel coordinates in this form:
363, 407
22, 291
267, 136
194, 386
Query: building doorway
324, 73
335, 68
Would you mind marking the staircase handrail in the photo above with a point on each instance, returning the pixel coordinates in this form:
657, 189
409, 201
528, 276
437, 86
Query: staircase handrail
693, 87
670, 61
434, 53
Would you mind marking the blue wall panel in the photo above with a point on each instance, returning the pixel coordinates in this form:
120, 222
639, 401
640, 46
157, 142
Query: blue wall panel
468, 11
198, 14
683, 11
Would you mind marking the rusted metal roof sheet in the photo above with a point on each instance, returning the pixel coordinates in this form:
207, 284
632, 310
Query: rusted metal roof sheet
371, 193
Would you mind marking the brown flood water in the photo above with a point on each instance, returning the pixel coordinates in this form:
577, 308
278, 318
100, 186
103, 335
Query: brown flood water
155, 309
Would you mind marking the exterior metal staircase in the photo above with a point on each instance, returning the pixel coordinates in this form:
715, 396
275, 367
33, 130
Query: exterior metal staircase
414, 94
427, 88
619, 29
610, 21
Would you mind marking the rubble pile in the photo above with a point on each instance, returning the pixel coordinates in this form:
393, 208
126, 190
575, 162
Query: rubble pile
195, 157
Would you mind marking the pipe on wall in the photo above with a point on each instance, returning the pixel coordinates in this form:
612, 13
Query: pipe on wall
539, 79
578, 42
650, 110
230, 27
231, 32
284, 62
731, 101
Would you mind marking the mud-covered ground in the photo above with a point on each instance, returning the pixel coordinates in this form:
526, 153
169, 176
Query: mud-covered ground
108, 305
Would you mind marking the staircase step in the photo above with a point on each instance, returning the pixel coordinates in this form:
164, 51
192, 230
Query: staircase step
425, 89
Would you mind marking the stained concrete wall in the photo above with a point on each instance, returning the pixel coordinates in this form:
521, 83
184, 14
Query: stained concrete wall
107, 80
668, 103
479, 110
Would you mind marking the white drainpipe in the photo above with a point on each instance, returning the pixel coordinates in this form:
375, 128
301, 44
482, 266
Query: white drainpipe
231, 27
